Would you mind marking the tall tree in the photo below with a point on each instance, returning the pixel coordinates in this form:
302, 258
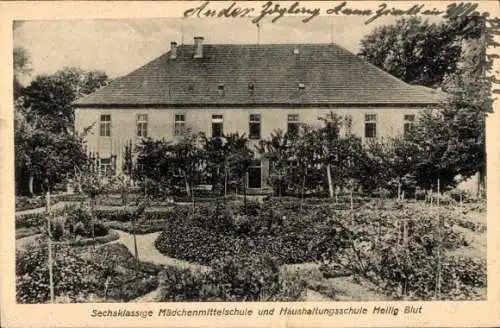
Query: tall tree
22, 67
419, 52
49, 97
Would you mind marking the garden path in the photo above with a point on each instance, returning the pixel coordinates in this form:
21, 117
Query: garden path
314, 296
149, 253
22, 242
61, 205
153, 296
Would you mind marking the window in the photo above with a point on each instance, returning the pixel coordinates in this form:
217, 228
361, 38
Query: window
254, 128
293, 124
370, 126
254, 175
179, 124
409, 124
251, 87
105, 166
217, 125
105, 126
142, 125
220, 89
302, 86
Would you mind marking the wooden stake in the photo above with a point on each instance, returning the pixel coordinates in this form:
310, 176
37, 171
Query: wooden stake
350, 194
330, 184
49, 244
437, 290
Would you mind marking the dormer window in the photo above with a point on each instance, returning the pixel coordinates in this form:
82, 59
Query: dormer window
220, 89
251, 87
190, 88
302, 87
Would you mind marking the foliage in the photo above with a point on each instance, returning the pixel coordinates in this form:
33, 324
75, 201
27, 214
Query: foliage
417, 51
47, 156
107, 272
49, 97
22, 68
245, 278
72, 275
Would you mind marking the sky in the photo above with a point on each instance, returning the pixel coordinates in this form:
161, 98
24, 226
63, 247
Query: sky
119, 46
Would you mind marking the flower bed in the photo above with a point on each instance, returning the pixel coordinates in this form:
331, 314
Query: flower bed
394, 247
240, 278
111, 236
107, 272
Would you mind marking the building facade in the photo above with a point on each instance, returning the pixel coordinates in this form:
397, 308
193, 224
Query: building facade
251, 89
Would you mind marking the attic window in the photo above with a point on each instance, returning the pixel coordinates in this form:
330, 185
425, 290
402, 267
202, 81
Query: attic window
220, 89
190, 87
301, 86
251, 87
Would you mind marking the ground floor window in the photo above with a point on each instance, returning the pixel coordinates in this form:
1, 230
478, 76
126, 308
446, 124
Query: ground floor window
217, 126
106, 166
255, 175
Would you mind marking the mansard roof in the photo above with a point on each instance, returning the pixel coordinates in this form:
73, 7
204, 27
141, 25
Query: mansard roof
261, 75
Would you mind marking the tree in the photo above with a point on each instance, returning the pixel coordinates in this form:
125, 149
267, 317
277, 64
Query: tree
448, 141
42, 155
155, 162
277, 149
240, 158
417, 51
50, 97
22, 67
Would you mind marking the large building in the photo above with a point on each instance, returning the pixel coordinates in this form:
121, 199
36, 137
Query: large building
251, 89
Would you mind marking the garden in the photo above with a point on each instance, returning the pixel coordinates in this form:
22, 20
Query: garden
270, 249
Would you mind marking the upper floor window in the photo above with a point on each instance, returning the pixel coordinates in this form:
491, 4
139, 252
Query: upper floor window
105, 126
409, 124
254, 126
179, 124
217, 125
142, 125
293, 124
370, 126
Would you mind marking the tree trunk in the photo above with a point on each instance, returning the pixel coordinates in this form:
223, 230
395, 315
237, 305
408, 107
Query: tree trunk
329, 176
30, 184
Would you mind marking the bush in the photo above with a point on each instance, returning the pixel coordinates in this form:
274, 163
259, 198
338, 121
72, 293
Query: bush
79, 229
231, 279
57, 228
79, 275
72, 275
465, 196
30, 220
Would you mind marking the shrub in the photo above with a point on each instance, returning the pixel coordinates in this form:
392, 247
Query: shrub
57, 228
463, 195
81, 275
111, 236
72, 275
79, 229
232, 278
30, 220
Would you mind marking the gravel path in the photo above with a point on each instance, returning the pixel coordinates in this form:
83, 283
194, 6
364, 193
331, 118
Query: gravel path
149, 253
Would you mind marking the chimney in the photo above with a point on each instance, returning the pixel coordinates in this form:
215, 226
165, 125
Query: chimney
198, 47
173, 50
